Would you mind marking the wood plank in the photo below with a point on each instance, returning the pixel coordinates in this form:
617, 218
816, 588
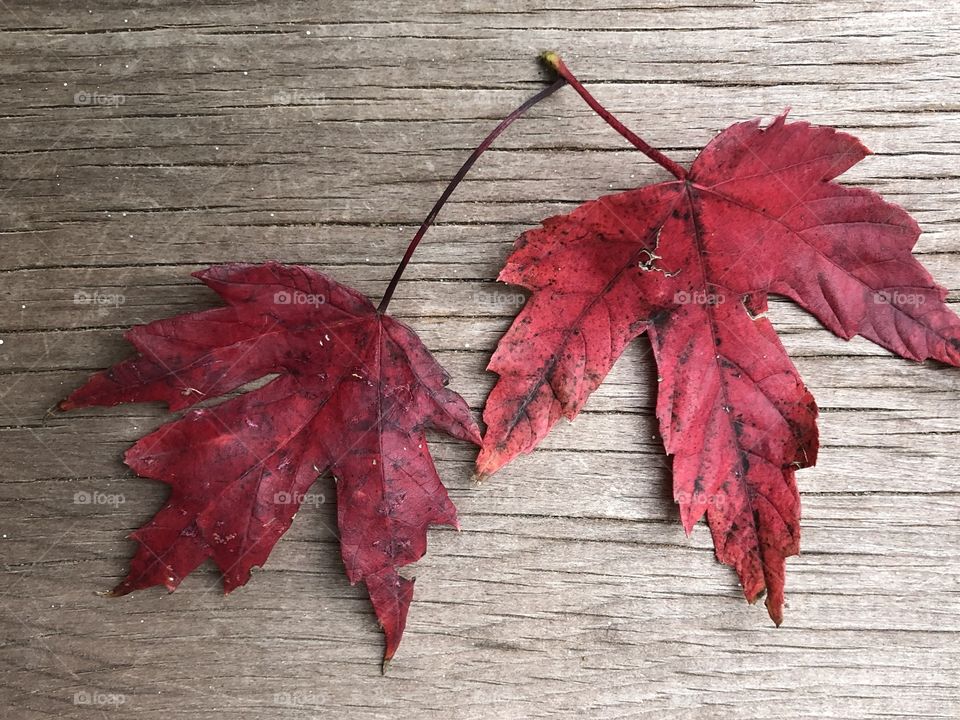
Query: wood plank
142, 141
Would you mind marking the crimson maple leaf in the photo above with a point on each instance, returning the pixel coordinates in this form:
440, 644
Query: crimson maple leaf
353, 394
691, 262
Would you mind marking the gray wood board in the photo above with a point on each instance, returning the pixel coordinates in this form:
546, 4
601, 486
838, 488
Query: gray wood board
141, 141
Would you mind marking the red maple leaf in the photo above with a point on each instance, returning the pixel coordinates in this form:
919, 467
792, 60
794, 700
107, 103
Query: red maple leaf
691, 262
353, 392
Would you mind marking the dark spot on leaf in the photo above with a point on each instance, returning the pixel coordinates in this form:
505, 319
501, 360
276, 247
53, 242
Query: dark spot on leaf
659, 317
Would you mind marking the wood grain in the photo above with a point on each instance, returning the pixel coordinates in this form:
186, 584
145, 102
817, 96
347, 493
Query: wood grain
141, 141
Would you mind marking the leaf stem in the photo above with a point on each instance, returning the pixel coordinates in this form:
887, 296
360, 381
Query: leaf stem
554, 61
474, 156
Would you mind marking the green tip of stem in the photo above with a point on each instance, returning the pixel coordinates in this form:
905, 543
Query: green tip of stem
551, 59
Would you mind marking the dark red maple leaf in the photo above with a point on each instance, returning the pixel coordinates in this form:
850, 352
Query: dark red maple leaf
691, 262
353, 394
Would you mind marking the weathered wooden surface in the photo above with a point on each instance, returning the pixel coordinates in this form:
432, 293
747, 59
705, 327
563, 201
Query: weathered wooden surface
140, 141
